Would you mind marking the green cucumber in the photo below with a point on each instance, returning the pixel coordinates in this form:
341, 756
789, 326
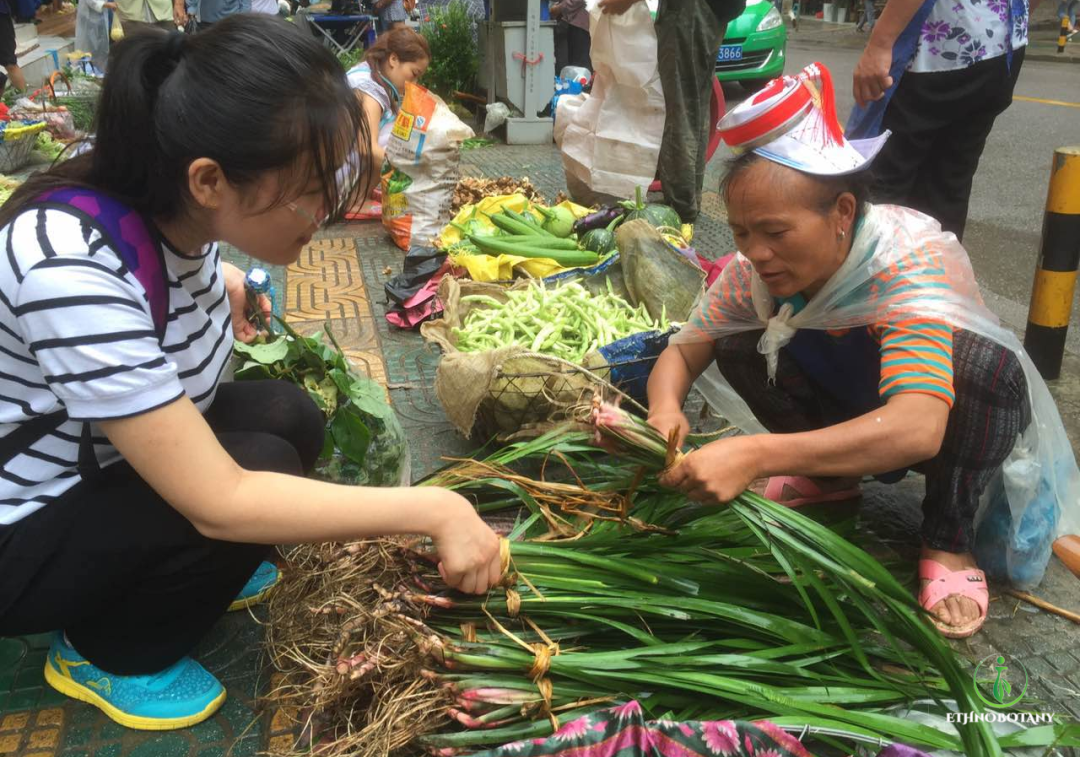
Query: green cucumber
512, 226
565, 258
551, 243
527, 219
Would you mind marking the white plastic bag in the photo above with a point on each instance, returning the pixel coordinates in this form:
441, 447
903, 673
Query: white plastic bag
611, 139
424, 150
495, 116
1038, 496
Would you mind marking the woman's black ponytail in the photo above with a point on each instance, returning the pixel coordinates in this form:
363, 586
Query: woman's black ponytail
127, 151
253, 93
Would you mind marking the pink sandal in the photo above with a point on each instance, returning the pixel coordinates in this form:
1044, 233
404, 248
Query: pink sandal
809, 492
945, 583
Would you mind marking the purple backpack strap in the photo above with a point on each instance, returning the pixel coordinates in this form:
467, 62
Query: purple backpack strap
128, 235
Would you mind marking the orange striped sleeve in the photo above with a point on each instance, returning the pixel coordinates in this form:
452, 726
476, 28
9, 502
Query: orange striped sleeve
916, 356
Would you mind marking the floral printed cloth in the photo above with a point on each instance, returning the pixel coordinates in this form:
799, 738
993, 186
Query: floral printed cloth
959, 33
624, 732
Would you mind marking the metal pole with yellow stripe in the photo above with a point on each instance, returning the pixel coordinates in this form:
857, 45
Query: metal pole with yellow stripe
1059, 257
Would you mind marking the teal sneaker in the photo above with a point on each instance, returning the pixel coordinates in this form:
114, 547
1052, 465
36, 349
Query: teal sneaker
258, 586
177, 697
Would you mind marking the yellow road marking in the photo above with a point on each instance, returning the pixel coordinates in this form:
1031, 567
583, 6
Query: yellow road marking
1040, 100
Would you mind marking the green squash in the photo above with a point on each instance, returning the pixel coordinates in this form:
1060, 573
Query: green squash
600, 241
654, 214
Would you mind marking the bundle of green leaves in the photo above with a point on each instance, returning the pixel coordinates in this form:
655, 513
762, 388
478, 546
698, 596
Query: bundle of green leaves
751, 611
364, 444
745, 612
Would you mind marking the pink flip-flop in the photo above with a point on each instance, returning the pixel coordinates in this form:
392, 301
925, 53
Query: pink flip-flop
809, 492
945, 583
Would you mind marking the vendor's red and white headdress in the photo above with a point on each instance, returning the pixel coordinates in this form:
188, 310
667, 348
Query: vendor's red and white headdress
792, 121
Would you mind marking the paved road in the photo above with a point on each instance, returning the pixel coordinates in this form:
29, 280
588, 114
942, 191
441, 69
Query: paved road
1007, 201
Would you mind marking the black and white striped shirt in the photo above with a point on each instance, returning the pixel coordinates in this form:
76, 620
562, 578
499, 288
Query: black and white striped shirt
76, 333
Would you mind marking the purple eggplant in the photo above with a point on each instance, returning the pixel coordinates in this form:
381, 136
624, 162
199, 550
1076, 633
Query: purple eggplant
599, 219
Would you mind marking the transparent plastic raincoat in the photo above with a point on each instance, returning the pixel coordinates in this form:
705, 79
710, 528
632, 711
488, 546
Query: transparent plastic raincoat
1036, 497
92, 31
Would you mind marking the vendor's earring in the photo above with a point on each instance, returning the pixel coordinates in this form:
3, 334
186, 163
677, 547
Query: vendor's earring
843, 234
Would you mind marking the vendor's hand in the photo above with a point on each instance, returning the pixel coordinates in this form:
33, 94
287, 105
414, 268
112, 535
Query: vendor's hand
665, 421
110, 6
243, 328
468, 549
718, 472
618, 7
180, 16
872, 78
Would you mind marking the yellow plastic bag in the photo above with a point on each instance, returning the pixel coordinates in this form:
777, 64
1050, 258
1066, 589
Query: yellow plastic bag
501, 268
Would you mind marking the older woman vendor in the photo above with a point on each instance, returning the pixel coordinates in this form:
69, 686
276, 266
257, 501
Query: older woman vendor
846, 330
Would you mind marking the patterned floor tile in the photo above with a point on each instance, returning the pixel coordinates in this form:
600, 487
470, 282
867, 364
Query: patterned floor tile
325, 289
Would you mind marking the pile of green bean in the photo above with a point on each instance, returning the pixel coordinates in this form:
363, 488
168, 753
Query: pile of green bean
567, 321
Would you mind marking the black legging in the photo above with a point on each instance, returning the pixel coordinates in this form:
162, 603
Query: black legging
130, 580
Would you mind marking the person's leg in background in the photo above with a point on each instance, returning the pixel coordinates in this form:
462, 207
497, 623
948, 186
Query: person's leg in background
8, 58
787, 10
919, 110
580, 46
867, 21
562, 45
688, 38
144, 27
972, 102
1067, 9
16, 77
